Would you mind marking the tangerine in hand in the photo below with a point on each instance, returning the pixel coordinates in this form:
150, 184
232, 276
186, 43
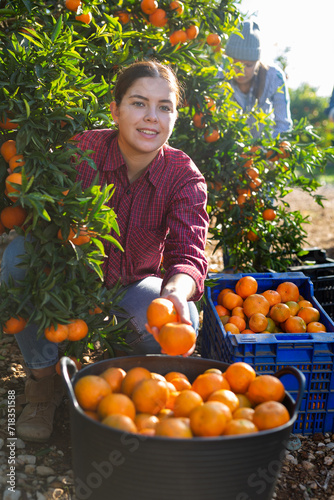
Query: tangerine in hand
176, 338
161, 311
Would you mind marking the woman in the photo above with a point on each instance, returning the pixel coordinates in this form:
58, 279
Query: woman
256, 82
160, 202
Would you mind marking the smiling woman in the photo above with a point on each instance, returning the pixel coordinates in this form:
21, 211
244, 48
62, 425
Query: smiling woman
160, 201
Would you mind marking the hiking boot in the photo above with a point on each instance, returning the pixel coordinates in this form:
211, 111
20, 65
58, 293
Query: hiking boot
42, 397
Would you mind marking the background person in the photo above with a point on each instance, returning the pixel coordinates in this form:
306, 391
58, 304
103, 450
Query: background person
330, 109
256, 81
159, 193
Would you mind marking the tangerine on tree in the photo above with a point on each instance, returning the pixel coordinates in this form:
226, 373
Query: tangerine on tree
149, 6
178, 36
123, 17
84, 18
198, 120
213, 39
212, 136
192, 32
13, 216
269, 214
77, 329
14, 178
177, 7
14, 325
73, 5
56, 333
16, 162
158, 18
7, 124
8, 150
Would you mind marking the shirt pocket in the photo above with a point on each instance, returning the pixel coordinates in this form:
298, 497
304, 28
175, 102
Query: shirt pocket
145, 244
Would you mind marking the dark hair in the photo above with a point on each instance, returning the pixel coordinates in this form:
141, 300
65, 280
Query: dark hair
143, 69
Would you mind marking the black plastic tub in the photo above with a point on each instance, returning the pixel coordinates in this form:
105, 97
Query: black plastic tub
110, 464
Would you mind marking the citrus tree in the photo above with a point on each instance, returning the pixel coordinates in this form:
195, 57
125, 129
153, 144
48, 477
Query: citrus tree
58, 64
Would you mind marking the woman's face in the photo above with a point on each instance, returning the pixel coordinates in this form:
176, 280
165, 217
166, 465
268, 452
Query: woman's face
245, 70
145, 116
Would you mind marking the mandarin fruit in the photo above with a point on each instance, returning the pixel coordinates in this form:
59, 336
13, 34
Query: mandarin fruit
272, 297
256, 303
176, 338
288, 291
161, 311
14, 325
239, 375
206, 383
185, 402
266, 388
280, 312
227, 397
240, 426
270, 414
150, 396
309, 314
120, 422
90, 390
132, 378
116, 403
114, 377
174, 428
245, 286
208, 419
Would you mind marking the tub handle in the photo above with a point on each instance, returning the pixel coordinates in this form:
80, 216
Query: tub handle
291, 370
67, 365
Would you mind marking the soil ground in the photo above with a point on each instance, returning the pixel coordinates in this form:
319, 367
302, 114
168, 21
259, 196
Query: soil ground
307, 471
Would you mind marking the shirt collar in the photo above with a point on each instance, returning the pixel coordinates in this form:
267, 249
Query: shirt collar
115, 160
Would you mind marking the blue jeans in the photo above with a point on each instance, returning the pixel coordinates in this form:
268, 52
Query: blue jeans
40, 353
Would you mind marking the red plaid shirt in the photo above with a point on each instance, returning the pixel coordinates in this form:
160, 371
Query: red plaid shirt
161, 213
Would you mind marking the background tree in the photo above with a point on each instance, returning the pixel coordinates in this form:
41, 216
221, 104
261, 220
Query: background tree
58, 64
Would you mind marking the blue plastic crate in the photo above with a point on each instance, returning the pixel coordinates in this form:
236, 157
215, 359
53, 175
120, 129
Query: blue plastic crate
312, 353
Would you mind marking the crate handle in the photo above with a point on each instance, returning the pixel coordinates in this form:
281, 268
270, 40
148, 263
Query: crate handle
67, 365
291, 370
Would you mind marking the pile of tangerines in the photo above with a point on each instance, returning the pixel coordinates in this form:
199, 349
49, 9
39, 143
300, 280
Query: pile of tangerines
243, 310
215, 403
175, 338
